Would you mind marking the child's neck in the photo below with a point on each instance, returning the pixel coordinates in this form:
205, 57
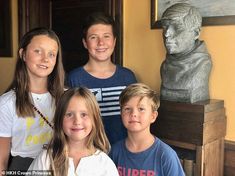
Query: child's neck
78, 151
38, 86
138, 143
100, 70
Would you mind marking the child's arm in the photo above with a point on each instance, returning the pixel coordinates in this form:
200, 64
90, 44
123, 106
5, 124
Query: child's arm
4, 152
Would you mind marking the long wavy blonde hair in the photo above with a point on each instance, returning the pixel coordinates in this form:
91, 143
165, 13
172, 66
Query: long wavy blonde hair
58, 147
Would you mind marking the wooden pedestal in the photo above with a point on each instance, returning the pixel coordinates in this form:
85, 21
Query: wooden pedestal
197, 130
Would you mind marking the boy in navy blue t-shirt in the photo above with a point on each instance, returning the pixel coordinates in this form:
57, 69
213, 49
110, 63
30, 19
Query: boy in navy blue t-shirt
141, 153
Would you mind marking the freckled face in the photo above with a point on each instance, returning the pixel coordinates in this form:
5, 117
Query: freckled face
138, 115
100, 42
77, 122
40, 56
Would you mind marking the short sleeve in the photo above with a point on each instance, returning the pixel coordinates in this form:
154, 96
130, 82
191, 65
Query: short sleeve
172, 165
41, 162
7, 113
110, 167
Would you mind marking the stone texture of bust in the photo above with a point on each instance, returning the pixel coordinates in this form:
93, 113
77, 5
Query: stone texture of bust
185, 71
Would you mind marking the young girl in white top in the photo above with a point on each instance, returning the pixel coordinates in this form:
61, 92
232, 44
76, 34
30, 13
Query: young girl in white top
37, 85
79, 145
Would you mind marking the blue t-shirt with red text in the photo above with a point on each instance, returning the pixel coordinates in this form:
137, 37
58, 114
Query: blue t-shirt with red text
158, 160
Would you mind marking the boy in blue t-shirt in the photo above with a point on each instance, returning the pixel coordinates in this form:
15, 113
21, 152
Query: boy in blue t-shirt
141, 153
104, 78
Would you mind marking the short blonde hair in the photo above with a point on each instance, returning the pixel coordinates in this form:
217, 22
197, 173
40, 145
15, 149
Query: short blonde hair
139, 90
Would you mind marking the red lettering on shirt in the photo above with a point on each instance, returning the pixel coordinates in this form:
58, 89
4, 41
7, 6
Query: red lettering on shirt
135, 172
151, 173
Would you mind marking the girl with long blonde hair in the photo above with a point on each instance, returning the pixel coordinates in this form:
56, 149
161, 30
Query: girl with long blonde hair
79, 145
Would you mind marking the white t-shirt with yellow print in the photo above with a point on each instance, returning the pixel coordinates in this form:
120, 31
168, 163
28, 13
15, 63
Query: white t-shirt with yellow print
30, 133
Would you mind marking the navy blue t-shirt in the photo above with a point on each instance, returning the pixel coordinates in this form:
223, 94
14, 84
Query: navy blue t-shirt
158, 160
107, 93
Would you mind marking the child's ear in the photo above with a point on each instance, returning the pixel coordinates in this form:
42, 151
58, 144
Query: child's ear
115, 39
154, 116
21, 54
84, 43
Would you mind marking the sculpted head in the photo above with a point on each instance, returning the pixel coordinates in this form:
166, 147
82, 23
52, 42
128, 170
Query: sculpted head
181, 25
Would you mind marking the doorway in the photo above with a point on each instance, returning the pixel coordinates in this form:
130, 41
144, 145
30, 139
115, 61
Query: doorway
65, 17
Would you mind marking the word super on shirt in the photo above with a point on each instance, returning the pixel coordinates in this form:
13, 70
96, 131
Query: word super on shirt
107, 93
158, 160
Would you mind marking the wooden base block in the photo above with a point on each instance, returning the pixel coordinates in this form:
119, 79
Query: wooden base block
196, 123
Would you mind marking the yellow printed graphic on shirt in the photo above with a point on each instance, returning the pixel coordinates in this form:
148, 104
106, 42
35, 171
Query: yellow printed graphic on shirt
42, 122
38, 139
29, 122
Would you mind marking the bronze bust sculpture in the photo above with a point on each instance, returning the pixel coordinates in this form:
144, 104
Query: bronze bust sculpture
186, 69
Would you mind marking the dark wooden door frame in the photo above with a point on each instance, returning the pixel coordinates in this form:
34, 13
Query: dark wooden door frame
27, 13
33, 13
117, 13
